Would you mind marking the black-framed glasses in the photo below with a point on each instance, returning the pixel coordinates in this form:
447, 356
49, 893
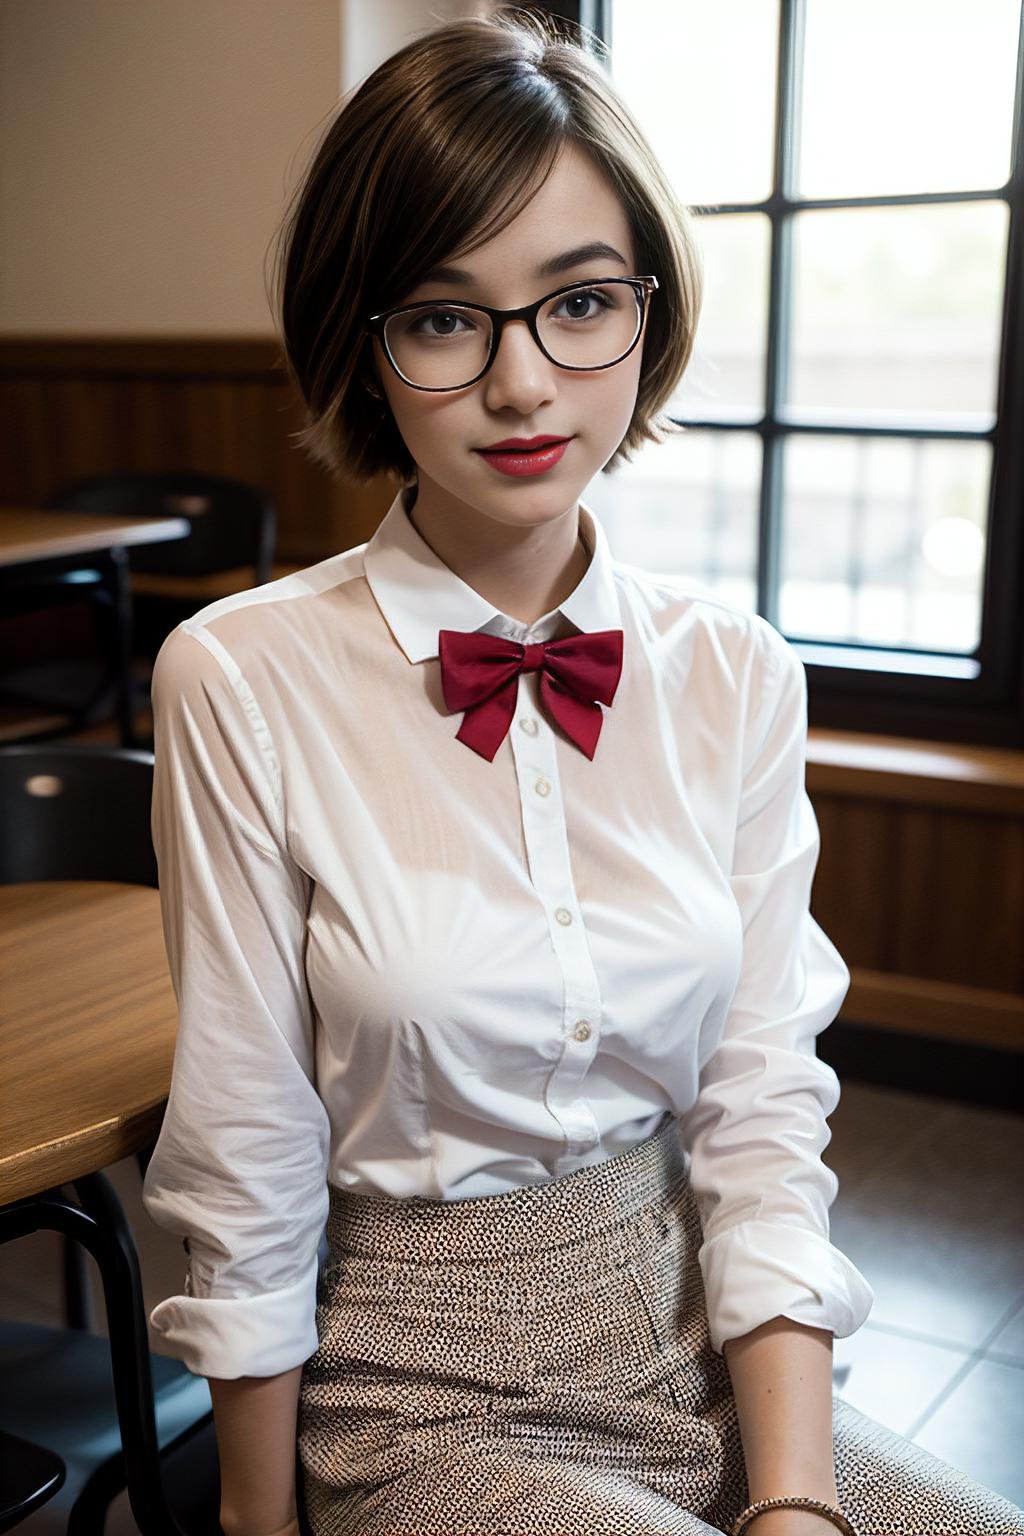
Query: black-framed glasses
589, 325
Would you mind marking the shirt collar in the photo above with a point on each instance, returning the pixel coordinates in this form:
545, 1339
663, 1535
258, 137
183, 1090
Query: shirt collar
418, 594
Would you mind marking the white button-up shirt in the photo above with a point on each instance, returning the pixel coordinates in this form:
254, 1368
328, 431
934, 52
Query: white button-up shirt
406, 970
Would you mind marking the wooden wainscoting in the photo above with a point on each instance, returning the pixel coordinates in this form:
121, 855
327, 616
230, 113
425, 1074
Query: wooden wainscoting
920, 883
91, 405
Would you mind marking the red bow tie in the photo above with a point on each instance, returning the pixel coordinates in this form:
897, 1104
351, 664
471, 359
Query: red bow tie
479, 675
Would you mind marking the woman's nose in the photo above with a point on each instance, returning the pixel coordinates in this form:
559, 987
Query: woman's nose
520, 371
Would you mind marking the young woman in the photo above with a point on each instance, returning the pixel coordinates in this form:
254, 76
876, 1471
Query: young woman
485, 866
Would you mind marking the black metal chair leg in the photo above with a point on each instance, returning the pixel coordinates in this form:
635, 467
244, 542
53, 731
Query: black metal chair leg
77, 1289
89, 1515
77, 1280
123, 610
99, 1224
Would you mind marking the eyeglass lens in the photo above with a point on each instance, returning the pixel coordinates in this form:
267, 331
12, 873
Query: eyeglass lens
442, 346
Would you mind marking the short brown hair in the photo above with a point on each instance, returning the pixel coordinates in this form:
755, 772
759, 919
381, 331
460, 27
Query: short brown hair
445, 142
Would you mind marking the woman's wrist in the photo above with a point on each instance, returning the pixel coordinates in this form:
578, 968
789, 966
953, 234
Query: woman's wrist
791, 1522
290, 1529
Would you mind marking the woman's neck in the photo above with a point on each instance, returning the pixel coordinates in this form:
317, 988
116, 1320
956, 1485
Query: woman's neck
524, 570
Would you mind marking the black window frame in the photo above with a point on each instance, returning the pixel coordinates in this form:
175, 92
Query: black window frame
880, 695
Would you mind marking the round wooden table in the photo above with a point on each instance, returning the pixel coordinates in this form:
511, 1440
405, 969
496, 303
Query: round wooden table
88, 1021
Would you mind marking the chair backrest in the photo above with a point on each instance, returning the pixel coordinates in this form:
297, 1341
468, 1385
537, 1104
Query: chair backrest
233, 524
75, 812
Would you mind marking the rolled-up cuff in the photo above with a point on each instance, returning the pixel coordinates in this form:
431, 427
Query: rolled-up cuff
241, 1336
758, 1270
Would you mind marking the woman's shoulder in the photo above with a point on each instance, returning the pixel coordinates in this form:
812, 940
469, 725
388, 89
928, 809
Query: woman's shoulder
245, 632
683, 612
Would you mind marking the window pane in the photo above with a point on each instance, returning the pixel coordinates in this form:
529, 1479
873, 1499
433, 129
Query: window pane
725, 375
700, 79
908, 97
898, 310
687, 507
883, 540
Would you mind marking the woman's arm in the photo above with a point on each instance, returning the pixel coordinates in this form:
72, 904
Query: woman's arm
256, 1418
781, 1375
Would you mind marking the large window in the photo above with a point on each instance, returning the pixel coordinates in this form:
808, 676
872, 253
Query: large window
852, 465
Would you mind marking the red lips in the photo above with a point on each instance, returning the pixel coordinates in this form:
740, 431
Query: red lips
521, 443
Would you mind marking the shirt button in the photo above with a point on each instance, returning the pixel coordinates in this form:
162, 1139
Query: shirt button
563, 915
542, 787
529, 726
582, 1030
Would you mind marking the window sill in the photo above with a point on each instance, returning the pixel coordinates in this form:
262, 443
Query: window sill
852, 764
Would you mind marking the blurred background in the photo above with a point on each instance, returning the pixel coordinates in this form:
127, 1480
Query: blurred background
852, 468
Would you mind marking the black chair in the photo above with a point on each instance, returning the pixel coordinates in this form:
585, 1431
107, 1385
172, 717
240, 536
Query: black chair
233, 524
72, 812
75, 689
30, 1475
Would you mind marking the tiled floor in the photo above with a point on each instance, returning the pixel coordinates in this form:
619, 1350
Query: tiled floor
930, 1208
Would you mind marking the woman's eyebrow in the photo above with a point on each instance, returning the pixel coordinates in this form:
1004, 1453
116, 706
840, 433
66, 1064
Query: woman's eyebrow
550, 268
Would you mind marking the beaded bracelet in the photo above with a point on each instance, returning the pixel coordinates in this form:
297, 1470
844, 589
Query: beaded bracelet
830, 1511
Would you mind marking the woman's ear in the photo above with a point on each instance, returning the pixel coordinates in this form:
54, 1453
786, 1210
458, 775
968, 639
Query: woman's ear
371, 373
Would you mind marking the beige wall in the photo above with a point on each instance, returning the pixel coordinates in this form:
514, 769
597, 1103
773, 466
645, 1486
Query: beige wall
148, 147
146, 151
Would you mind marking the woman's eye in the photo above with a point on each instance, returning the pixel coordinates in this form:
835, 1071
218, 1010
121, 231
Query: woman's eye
438, 322
579, 303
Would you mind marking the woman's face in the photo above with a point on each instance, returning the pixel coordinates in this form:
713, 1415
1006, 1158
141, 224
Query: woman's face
523, 394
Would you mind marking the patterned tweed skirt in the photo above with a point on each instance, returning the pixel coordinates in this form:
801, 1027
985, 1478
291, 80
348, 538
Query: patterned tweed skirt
538, 1363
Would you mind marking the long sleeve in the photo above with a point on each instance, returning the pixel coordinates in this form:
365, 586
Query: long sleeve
757, 1130
240, 1167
